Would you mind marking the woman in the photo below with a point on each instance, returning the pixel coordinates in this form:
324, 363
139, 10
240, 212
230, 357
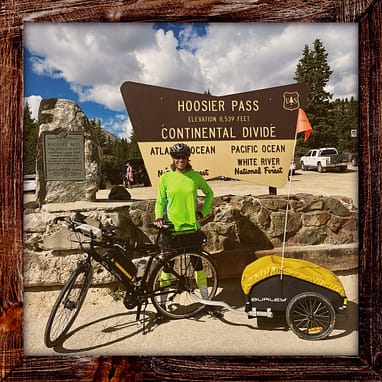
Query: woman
177, 203
177, 193
129, 175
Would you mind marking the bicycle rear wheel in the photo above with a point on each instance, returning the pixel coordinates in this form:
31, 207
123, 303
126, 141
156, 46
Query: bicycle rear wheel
68, 305
176, 277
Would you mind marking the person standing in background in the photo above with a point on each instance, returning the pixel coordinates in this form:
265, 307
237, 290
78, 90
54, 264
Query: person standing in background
129, 178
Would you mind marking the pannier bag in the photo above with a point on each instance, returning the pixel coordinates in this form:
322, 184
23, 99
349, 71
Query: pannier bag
184, 239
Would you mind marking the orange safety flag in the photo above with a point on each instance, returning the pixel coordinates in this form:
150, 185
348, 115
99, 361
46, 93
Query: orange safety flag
303, 124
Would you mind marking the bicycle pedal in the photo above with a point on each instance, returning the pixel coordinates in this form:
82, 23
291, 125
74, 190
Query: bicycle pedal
216, 313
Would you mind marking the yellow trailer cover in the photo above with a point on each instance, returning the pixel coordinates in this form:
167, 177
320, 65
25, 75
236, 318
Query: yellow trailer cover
268, 266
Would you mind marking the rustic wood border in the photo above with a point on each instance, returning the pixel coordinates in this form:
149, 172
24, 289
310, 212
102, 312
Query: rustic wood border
15, 366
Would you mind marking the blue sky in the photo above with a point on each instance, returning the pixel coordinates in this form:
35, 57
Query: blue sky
88, 62
47, 86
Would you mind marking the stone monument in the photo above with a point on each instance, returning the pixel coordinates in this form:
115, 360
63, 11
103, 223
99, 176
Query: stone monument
68, 154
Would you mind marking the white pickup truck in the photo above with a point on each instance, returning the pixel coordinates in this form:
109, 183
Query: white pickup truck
324, 159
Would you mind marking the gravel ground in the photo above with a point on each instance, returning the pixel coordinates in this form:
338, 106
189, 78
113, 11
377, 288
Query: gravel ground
105, 327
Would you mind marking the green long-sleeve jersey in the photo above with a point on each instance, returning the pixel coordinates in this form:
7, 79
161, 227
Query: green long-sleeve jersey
177, 199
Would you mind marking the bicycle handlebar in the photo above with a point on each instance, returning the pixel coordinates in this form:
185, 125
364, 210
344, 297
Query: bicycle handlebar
78, 224
81, 226
165, 226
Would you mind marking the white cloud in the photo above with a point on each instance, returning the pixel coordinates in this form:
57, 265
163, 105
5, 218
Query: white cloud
120, 125
95, 59
34, 104
243, 57
164, 65
92, 58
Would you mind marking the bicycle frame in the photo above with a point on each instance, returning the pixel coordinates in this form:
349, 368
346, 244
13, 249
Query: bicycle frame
138, 292
135, 289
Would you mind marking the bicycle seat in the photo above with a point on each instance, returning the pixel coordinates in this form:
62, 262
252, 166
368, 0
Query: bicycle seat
80, 218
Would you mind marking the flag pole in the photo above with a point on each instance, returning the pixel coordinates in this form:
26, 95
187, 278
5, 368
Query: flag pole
287, 209
302, 125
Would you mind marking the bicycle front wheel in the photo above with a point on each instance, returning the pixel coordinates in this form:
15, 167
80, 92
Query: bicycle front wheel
174, 278
68, 305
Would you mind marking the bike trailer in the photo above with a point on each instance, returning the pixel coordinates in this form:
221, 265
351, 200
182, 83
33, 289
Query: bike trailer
309, 294
271, 282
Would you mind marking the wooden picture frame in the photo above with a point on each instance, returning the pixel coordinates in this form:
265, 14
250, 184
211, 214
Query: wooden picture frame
14, 365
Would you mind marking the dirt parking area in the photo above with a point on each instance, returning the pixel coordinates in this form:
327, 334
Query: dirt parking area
327, 183
312, 182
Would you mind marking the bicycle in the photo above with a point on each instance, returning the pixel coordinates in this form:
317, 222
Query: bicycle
164, 273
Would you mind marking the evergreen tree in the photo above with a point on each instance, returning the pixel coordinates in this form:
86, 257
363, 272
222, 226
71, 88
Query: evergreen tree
115, 154
30, 130
344, 116
101, 137
313, 69
134, 151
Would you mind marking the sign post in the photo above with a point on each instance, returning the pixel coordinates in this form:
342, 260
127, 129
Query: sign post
248, 136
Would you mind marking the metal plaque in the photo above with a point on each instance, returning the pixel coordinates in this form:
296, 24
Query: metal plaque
64, 157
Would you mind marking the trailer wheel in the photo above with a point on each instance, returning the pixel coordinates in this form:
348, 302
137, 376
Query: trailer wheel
310, 316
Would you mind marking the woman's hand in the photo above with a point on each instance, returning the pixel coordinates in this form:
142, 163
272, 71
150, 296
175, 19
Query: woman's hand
158, 222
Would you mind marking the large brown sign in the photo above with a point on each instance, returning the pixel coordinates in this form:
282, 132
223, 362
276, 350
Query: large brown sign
248, 136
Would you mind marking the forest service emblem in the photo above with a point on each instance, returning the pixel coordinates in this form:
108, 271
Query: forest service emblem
291, 101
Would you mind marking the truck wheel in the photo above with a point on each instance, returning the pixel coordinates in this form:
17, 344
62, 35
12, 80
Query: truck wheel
320, 168
303, 167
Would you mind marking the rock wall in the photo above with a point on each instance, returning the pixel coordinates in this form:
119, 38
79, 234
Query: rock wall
259, 222
239, 228
61, 117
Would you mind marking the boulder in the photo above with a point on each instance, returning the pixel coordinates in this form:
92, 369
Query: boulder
62, 119
119, 193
